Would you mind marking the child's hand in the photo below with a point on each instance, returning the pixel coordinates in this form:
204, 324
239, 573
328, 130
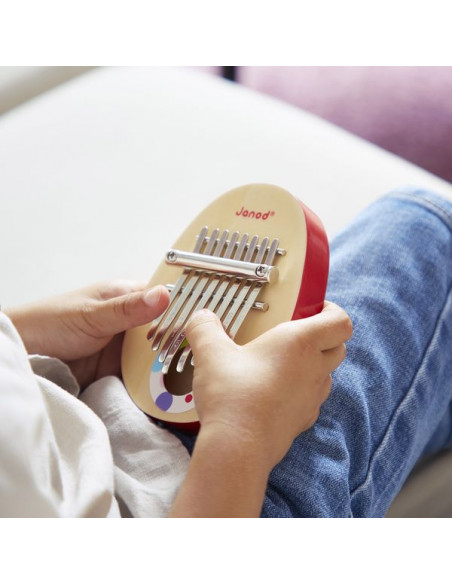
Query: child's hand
270, 390
81, 327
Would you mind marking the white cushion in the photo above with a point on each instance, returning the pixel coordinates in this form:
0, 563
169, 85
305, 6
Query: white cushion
100, 175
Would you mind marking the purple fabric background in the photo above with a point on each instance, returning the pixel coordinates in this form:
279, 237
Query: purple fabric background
406, 110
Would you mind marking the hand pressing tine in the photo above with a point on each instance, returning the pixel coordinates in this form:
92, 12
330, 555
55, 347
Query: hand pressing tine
270, 389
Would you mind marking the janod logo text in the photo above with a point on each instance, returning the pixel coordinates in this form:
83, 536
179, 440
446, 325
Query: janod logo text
254, 214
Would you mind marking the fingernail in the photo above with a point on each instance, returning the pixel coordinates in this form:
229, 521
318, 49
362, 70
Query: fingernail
152, 296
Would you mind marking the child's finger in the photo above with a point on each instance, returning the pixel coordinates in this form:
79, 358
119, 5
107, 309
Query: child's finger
334, 357
124, 312
115, 288
329, 328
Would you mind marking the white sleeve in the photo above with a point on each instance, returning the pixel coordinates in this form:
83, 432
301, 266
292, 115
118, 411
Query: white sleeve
150, 462
55, 455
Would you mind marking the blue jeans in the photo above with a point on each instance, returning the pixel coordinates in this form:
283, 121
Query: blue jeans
391, 270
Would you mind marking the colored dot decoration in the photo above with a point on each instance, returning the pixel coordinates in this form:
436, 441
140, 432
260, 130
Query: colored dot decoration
162, 398
164, 401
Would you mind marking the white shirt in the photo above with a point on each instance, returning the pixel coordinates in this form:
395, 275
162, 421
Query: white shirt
65, 455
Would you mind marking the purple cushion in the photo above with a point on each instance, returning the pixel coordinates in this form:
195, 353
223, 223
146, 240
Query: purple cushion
406, 110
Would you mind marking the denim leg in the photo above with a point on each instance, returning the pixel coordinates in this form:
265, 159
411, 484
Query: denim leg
391, 270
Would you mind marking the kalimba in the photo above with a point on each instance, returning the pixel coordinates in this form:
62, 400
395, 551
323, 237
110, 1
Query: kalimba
256, 256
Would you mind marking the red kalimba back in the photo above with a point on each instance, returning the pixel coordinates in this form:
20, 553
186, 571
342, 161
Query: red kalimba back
256, 256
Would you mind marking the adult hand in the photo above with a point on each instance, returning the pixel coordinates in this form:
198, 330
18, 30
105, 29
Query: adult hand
83, 328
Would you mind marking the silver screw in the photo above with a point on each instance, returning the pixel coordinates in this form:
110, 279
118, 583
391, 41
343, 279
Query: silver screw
171, 256
261, 271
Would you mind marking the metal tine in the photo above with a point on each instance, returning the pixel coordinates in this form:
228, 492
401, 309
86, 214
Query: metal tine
217, 294
272, 252
220, 303
262, 250
255, 289
225, 302
241, 298
251, 248
177, 287
246, 286
178, 304
253, 293
202, 292
177, 335
181, 302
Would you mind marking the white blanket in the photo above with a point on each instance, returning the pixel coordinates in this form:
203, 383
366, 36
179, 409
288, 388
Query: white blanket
61, 454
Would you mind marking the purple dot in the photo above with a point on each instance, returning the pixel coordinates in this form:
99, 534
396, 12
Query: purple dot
164, 401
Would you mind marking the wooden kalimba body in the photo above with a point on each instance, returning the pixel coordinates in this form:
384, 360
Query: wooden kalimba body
256, 257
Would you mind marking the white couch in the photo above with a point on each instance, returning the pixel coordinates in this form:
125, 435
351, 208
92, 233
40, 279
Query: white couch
101, 173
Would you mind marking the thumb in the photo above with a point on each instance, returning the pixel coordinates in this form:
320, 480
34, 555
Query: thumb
205, 334
135, 309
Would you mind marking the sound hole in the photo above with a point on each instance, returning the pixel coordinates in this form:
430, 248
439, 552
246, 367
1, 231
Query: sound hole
179, 383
